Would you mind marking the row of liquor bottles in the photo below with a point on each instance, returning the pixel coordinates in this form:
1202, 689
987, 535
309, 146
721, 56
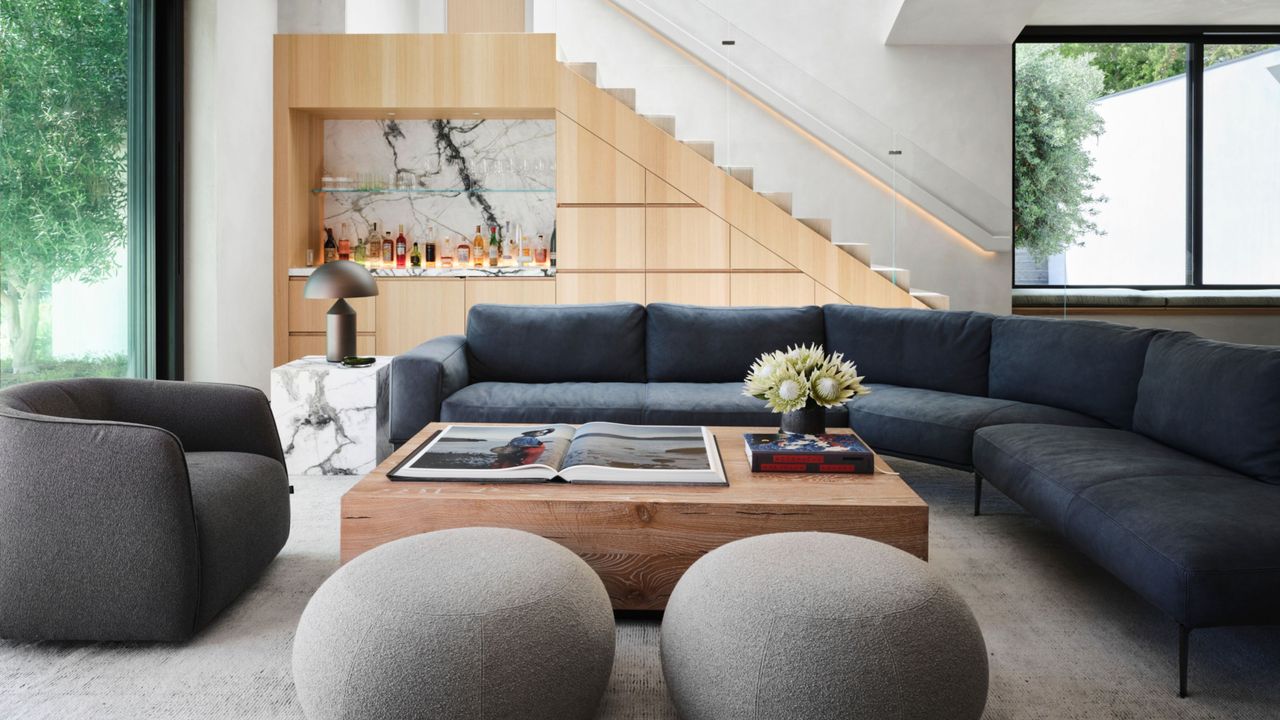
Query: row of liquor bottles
502, 248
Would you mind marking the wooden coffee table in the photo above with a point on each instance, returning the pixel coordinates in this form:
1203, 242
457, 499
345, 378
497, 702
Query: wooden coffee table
641, 538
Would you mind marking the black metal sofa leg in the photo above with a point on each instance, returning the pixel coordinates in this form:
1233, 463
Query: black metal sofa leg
1184, 637
977, 493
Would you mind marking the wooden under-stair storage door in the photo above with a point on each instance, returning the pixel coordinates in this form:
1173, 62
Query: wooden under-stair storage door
485, 16
414, 310
575, 288
600, 238
685, 238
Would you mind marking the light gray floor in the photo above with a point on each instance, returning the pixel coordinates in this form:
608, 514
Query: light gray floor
1065, 640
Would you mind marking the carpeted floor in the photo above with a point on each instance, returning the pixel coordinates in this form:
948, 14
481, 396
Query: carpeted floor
1066, 641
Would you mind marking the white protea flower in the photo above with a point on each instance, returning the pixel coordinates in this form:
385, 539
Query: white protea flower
763, 374
789, 393
805, 358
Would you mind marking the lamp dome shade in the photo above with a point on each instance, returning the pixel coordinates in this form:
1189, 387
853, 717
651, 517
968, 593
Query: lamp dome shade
340, 279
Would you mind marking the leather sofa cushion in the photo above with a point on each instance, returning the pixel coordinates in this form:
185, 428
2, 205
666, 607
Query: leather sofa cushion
938, 426
1043, 468
902, 346
689, 343
567, 402
1206, 550
1082, 365
556, 343
1215, 400
714, 404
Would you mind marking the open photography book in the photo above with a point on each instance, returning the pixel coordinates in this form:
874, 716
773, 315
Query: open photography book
597, 452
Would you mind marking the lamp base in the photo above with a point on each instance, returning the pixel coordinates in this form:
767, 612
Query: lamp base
340, 331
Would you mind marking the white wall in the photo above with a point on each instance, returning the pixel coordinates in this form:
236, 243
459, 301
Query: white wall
228, 183
955, 102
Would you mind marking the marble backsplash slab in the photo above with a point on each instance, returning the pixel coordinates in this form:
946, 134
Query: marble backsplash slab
455, 174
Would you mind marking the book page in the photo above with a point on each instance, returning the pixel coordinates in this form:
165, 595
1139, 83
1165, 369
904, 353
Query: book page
639, 447
461, 451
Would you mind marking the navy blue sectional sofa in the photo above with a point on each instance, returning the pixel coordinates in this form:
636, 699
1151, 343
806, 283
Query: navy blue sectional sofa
1156, 453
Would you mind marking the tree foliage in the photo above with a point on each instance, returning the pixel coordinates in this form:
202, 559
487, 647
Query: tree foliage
1053, 174
63, 125
1129, 65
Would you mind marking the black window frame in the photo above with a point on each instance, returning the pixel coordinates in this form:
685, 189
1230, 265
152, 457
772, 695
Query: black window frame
1195, 37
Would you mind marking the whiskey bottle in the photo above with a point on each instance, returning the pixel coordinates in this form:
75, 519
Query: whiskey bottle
373, 247
415, 257
478, 249
495, 246
540, 251
430, 246
344, 242
526, 251
330, 247
464, 251
388, 250
402, 248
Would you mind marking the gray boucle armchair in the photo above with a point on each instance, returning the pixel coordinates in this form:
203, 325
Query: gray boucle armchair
133, 510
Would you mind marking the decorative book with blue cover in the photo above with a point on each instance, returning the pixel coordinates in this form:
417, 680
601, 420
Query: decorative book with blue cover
791, 452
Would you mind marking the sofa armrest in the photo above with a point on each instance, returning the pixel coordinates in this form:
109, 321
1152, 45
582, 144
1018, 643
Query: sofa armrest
97, 531
420, 381
204, 416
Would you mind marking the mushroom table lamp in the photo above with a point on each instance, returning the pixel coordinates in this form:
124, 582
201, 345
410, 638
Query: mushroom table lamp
340, 279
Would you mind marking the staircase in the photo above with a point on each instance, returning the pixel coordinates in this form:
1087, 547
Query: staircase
844, 270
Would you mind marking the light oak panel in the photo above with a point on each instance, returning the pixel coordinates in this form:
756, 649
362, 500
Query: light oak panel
691, 288
685, 238
309, 315
658, 192
589, 170
412, 311
600, 113
446, 72
760, 288
510, 291
303, 345
822, 295
600, 238
747, 254
485, 16
592, 287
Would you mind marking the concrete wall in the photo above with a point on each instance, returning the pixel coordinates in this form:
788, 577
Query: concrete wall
955, 102
228, 204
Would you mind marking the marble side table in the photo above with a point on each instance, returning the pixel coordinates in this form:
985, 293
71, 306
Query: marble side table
332, 419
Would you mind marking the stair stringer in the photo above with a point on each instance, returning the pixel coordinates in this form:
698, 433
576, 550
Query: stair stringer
833, 270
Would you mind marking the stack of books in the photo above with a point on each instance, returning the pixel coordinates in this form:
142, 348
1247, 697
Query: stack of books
790, 452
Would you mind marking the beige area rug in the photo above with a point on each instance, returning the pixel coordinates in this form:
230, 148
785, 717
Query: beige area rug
1066, 641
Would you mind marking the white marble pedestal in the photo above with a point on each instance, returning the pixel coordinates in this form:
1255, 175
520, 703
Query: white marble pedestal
332, 419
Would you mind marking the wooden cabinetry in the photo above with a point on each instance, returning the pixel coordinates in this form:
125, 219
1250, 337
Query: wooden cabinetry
598, 287
412, 311
690, 288
600, 238
510, 291
308, 315
685, 238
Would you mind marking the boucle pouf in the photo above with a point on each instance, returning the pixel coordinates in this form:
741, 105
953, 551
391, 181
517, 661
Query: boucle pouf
469, 623
819, 625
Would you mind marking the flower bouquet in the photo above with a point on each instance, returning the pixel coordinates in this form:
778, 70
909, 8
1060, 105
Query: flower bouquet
801, 382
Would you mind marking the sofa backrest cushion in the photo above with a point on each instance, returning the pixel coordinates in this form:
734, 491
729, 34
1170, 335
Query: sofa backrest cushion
1087, 366
691, 343
929, 349
556, 343
1215, 400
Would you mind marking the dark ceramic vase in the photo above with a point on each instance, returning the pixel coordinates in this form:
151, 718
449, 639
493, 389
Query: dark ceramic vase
808, 420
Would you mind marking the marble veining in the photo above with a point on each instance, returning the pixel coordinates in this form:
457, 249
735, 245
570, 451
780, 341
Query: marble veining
456, 173
331, 419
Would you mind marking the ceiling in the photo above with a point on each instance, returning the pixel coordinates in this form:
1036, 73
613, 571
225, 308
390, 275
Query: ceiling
998, 22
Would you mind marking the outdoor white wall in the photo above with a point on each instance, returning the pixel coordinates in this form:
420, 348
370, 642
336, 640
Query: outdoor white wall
228, 205
1140, 161
954, 102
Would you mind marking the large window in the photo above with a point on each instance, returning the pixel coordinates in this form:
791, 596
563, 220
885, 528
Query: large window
1146, 158
78, 170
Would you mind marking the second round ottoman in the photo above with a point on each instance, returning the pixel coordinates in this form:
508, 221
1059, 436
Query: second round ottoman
468, 623
820, 625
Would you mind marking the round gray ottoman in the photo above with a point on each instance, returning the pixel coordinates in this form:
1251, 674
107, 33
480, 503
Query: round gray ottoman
818, 625
469, 623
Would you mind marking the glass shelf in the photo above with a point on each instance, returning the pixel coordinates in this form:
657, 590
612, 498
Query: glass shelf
429, 191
